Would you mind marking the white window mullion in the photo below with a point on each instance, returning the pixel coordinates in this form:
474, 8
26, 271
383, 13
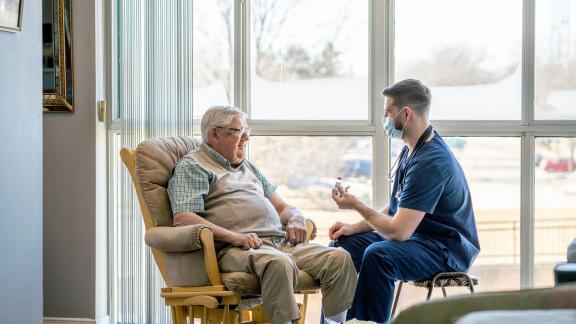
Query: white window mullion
239, 21
381, 66
242, 57
527, 154
527, 212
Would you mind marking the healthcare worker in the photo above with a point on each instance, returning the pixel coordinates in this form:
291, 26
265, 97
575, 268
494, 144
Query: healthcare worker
428, 225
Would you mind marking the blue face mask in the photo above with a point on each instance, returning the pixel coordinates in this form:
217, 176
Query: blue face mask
390, 129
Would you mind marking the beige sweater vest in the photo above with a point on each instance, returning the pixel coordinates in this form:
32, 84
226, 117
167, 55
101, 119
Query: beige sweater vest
236, 198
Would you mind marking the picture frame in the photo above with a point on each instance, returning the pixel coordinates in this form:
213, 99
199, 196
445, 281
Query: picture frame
57, 56
11, 12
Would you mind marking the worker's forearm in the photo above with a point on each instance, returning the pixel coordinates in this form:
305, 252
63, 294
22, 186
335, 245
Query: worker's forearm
378, 221
362, 226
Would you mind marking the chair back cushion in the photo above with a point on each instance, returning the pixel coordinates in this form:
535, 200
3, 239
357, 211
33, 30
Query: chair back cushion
155, 159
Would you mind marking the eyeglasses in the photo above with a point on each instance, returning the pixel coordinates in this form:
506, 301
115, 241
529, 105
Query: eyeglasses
238, 131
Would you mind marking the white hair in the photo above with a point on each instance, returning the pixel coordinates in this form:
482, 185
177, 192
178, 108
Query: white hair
218, 116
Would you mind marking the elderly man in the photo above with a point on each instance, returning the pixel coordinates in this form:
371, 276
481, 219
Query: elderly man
215, 185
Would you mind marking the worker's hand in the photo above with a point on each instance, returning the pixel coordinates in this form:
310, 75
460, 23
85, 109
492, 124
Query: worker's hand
247, 241
339, 229
296, 230
343, 199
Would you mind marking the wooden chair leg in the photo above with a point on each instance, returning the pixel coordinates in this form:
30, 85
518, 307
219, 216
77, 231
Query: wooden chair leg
260, 315
304, 307
178, 315
173, 312
205, 316
444, 292
396, 299
225, 314
234, 317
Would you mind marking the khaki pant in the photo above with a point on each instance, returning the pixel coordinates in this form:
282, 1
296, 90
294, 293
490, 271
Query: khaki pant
277, 267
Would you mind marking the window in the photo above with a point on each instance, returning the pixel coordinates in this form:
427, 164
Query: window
492, 168
468, 52
309, 75
555, 226
555, 79
305, 169
309, 60
213, 54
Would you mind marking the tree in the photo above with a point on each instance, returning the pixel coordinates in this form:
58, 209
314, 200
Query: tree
453, 66
268, 18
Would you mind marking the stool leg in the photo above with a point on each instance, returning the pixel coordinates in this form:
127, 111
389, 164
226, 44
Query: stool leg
444, 292
396, 299
430, 289
429, 293
470, 283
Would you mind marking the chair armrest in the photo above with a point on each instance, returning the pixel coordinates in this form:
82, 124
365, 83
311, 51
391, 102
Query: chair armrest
210, 260
311, 230
175, 239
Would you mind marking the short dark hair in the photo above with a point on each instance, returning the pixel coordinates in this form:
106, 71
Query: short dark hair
410, 92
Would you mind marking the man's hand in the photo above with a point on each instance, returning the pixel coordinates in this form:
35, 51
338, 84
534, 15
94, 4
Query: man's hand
247, 241
296, 230
339, 229
343, 199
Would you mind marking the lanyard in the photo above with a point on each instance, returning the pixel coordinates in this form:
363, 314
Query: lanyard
404, 165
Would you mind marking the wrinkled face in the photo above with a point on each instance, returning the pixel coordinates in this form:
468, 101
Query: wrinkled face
231, 141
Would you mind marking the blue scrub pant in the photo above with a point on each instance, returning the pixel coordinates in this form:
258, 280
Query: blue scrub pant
381, 262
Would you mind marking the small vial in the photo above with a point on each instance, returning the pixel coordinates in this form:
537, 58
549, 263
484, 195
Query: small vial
338, 182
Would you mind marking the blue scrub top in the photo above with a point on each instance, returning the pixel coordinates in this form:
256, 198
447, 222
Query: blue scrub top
432, 181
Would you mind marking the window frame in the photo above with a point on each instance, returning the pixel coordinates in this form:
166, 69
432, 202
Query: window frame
381, 74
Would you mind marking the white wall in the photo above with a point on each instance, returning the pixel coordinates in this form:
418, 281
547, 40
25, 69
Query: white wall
21, 170
75, 282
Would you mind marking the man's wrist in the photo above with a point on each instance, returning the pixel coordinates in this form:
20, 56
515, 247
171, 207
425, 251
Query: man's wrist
298, 217
358, 206
364, 211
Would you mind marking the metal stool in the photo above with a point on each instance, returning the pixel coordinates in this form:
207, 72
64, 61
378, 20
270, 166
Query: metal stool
442, 279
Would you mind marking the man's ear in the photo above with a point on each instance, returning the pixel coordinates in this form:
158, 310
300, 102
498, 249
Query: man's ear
409, 112
213, 134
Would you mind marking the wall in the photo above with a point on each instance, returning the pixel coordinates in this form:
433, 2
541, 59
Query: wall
21, 170
75, 282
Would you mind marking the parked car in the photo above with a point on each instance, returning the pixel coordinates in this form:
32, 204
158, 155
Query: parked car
455, 142
359, 168
557, 165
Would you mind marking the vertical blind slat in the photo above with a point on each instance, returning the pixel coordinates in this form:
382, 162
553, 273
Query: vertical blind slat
155, 99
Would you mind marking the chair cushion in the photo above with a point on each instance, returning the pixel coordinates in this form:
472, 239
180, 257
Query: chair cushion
248, 284
448, 280
186, 269
155, 159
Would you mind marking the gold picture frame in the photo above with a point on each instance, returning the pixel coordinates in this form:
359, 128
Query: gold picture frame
11, 12
57, 57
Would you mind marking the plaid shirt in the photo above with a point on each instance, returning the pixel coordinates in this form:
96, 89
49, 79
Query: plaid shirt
190, 183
